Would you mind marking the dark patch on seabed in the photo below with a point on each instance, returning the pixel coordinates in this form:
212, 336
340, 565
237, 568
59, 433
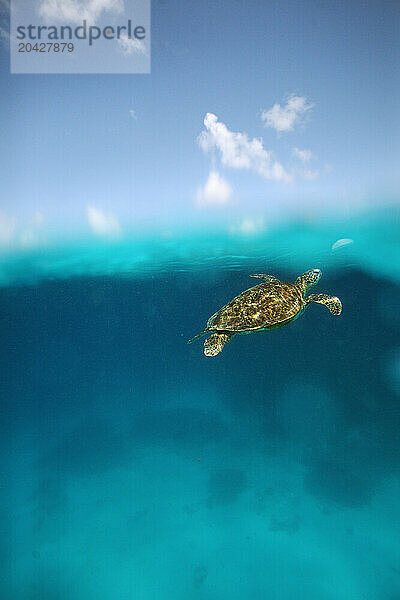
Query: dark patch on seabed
134, 467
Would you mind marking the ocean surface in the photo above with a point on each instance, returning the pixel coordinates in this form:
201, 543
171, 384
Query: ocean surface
135, 468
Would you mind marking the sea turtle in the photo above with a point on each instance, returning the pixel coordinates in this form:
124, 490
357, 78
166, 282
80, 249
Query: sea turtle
270, 304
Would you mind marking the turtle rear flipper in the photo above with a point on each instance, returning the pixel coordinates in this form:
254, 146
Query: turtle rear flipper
198, 335
332, 303
214, 344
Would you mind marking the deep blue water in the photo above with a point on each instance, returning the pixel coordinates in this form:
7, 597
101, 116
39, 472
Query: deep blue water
135, 468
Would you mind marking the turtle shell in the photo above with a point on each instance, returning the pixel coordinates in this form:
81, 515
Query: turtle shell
261, 307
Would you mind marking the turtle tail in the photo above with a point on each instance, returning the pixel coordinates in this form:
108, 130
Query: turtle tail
198, 335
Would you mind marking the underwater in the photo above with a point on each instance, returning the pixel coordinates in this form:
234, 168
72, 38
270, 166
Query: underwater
135, 467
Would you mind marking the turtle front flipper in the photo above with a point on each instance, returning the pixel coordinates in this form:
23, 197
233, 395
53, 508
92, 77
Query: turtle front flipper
332, 303
308, 279
269, 278
215, 343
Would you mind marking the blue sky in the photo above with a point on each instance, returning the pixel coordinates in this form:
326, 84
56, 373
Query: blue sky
71, 143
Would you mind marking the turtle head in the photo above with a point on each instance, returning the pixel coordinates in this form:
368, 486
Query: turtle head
307, 279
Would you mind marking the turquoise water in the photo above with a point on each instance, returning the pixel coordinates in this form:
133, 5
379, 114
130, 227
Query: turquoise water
369, 241
135, 468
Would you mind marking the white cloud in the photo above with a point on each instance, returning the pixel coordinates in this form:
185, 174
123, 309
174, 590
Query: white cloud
130, 45
303, 155
78, 10
249, 226
216, 191
133, 114
238, 151
8, 226
102, 224
14, 234
310, 174
283, 118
